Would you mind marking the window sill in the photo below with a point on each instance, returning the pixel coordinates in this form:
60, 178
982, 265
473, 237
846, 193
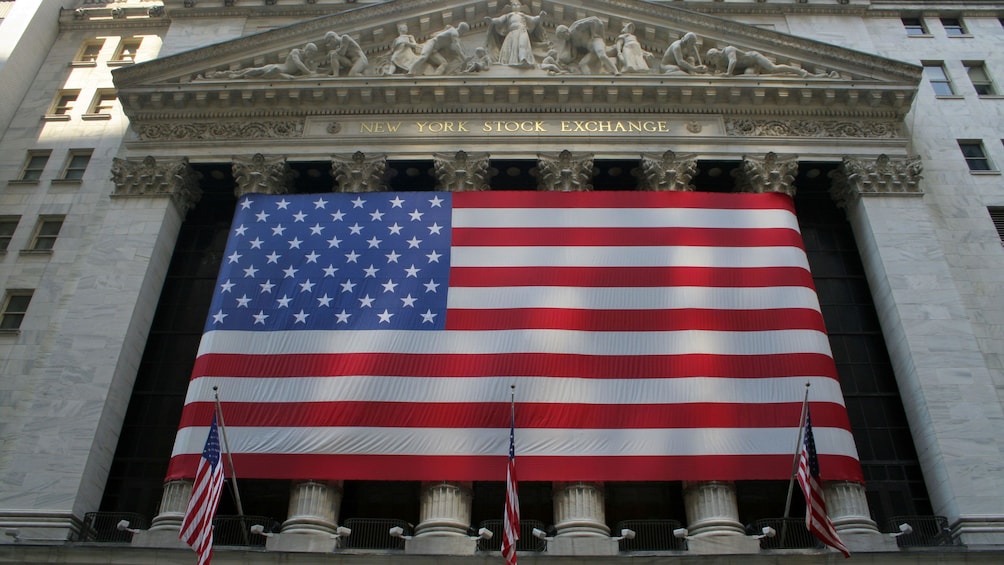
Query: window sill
950, 97
35, 252
23, 181
919, 35
991, 96
56, 118
83, 63
985, 173
120, 63
96, 117
9, 332
67, 182
961, 36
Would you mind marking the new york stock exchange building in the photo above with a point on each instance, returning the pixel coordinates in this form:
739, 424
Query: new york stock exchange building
377, 249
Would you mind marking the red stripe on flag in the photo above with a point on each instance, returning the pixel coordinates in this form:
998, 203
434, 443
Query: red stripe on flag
523, 364
631, 237
630, 277
614, 200
635, 320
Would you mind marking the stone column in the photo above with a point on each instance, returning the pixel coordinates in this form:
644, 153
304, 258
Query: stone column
713, 519
950, 398
580, 521
359, 173
847, 507
173, 503
261, 175
772, 173
565, 172
668, 171
461, 172
313, 508
445, 517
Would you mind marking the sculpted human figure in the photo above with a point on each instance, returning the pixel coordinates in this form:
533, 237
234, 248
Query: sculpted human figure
403, 51
481, 61
299, 62
631, 58
581, 45
511, 36
443, 51
682, 57
550, 64
733, 61
344, 53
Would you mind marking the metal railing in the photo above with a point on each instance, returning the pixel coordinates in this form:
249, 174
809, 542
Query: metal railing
791, 533
927, 531
651, 535
527, 541
102, 527
236, 530
374, 533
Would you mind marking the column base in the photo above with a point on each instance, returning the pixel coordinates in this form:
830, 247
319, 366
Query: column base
983, 531
301, 543
441, 545
722, 544
867, 542
582, 545
165, 538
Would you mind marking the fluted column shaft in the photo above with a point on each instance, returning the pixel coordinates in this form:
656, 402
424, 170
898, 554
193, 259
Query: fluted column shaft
712, 508
578, 510
313, 507
445, 509
173, 503
847, 507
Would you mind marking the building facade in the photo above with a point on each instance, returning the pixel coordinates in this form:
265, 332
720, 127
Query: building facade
130, 130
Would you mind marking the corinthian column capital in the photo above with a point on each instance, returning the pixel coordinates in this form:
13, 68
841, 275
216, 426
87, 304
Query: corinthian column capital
772, 173
261, 175
173, 178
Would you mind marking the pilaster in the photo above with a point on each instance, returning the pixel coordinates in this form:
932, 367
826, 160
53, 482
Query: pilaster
565, 172
461, 172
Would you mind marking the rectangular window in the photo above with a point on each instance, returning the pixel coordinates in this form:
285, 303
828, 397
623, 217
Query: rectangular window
15, 307
914, 26
975, 156
34, 165
46, 233
89, 52
953, 26
126, 53
76, 164
7, 226
936, 75
64, 102
980, 78
104, 102
997, 215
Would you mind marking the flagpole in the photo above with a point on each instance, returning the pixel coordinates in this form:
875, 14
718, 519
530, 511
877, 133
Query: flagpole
230, 458
794, 464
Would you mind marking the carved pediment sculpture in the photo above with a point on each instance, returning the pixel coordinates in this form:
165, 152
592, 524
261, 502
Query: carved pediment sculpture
148, 177
261, 176
512, 36
298, 62
731, 61
682, 57
630, 56
359, 173
461, 172
772, 173
580, 46
565, 172
668, 171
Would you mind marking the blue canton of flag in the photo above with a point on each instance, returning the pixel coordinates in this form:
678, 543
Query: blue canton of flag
346, 261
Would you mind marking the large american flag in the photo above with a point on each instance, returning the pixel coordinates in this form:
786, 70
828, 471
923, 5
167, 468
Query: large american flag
816, 519
653, 336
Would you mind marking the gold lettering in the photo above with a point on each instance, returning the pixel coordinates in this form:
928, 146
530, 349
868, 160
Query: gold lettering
486, 127
436, 127
663, 126
619, 126
393, 127
539, 126
462, 126
634, 125
565, 126
421, 126
366, 127
649, 126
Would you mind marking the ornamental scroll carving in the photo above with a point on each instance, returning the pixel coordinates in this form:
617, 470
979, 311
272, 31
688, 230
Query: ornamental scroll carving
359, 173
461, 172
812, 128
883, 176
219, 130
668, 171
174, 178
261, 176
772, 173
565, 172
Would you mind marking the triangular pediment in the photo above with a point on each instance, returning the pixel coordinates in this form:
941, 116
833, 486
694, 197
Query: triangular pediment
255, 75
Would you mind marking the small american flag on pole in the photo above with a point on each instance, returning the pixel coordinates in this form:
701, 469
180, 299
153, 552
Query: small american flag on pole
510, 522
816, 519
197, 527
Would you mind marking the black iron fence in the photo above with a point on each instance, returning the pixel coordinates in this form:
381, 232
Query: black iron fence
103, 527
374, 533
236, 530
921, 531
789, 533
651, 535
527, 541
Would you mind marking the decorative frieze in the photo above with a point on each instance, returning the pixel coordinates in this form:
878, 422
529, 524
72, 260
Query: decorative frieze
262, 176
174, 178
772, 173
218, 130
461, 172
668, 171
359, 173
881, 176
565, 172
812, 128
